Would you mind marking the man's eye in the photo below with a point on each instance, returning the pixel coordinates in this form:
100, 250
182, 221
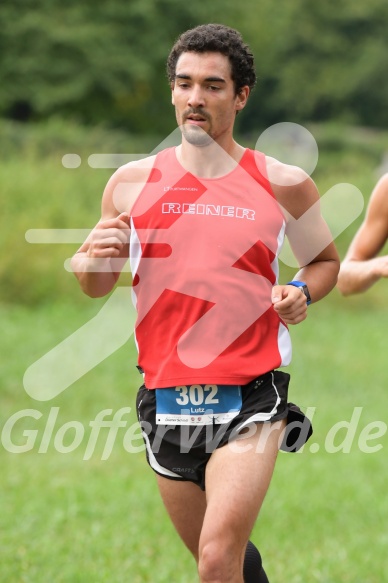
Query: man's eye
214, 87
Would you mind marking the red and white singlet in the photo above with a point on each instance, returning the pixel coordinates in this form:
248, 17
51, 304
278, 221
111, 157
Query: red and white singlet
204, 258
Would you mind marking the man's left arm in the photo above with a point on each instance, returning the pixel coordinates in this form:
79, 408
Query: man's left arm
310, 240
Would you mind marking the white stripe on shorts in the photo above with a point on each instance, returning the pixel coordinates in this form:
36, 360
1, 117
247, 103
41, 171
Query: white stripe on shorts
264, 416
154, 463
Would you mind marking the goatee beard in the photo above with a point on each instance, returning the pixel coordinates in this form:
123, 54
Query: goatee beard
196, 136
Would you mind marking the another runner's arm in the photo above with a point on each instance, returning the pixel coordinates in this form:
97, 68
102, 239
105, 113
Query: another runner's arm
361, 267
310, 240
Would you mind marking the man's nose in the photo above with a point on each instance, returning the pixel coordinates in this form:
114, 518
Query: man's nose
196, 97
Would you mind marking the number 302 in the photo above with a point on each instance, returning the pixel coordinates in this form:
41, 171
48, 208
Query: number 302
197, 395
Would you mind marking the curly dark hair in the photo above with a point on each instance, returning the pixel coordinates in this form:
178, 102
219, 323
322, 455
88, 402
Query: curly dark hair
216, 38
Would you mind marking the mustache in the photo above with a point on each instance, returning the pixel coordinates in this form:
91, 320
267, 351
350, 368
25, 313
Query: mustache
196, 111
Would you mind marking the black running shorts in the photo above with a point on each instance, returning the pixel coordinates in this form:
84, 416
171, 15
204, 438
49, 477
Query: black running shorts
181, 452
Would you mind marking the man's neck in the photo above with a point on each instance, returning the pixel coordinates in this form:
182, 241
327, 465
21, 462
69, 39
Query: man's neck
211, 161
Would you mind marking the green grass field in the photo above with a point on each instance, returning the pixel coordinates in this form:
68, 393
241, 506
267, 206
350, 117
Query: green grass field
66, 519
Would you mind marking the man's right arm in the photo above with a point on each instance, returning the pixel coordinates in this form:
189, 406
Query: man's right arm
362, 267
100, 259
94, 264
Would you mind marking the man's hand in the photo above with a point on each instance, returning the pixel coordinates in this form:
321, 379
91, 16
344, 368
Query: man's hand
290, 303
108, 237
99, 261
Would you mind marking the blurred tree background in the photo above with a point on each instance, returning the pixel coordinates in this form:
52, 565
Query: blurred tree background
84, 77
104, 62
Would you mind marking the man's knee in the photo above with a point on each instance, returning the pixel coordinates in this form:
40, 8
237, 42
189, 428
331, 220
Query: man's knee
218, 563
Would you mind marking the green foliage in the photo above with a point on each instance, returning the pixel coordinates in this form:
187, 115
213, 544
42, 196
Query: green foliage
338, 52
321, 61
106, 62
89, 62
56, 137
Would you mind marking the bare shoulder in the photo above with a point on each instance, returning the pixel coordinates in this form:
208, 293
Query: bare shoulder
284, 174
125, 185
137, 171
293, 187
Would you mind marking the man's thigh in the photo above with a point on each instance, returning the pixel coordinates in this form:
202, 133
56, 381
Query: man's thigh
237, 479
186, 505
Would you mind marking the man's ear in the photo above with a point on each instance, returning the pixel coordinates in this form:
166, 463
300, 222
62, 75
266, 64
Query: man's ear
242, 97
172, 93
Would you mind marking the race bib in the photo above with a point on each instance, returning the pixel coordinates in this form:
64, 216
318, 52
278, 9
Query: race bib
197, 404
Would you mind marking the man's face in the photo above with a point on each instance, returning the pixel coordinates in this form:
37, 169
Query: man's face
204, 97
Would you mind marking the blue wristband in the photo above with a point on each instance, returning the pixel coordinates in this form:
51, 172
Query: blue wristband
303, 287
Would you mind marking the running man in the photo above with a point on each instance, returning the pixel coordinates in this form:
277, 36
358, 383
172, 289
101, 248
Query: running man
207, 220
362, 266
